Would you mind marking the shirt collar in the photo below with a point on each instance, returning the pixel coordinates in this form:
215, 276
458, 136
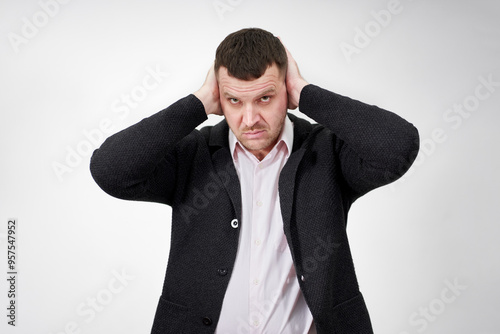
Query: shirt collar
286, 136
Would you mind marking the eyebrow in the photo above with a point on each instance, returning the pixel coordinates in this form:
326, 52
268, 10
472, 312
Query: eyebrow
265, 92
268, 91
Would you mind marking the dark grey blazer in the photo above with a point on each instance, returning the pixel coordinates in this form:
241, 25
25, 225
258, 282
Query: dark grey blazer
353, 149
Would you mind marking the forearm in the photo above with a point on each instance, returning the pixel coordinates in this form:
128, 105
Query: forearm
126, 161
382, 139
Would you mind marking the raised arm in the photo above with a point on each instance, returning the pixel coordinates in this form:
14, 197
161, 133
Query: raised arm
375, 146
139, 163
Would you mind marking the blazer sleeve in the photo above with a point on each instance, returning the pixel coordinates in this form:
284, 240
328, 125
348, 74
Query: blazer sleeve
139, 162
374, 146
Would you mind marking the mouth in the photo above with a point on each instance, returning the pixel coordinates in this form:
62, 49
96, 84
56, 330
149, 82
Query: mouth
256, 134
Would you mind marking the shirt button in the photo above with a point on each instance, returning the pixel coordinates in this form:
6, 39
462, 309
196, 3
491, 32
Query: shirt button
256, 282
256, 323
259, 203
222, 271
234, 223
207, 321
258, 242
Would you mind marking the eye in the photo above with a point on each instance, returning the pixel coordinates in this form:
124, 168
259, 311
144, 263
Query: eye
233, 100
265, 98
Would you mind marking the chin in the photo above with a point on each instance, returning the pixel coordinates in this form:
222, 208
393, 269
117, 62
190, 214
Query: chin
261, 145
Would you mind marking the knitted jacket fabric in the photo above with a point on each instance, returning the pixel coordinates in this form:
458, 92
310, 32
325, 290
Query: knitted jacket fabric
354, 148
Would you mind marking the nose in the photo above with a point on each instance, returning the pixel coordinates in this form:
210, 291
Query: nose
250, 115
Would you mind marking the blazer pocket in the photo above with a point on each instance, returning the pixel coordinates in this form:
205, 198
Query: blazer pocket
170, 318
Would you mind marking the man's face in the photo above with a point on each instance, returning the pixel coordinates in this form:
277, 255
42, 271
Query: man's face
255, 110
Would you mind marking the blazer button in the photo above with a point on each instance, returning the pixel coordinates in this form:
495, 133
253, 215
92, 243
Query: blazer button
207, 321
222, 271
234, 223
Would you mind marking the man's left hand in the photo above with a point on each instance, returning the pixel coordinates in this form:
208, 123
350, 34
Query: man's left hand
294, 81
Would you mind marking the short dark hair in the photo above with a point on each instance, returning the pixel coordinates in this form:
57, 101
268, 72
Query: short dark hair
247, 53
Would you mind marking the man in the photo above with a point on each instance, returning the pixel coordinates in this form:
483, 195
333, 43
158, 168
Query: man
260, 200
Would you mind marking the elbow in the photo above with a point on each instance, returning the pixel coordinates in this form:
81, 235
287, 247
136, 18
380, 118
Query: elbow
404, 155
103, 174
113, 179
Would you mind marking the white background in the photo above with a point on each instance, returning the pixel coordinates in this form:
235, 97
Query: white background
67, 74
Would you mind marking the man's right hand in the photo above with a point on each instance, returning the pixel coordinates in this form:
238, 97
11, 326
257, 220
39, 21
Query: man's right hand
209, 94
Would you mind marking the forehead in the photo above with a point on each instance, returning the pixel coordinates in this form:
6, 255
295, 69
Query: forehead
271, 79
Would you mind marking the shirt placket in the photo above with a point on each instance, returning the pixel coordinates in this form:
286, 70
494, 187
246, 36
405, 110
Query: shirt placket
257, 318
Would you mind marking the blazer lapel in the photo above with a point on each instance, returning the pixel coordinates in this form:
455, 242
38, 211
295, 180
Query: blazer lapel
287, 186
224, 165
301, 130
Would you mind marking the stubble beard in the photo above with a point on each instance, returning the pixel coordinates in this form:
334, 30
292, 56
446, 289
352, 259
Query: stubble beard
267, 144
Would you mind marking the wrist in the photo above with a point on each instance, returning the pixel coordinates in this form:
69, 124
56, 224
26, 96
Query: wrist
298, 89
209, 100
295, 92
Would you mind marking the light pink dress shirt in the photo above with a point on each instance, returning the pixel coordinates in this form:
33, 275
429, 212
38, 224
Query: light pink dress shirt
263, 296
